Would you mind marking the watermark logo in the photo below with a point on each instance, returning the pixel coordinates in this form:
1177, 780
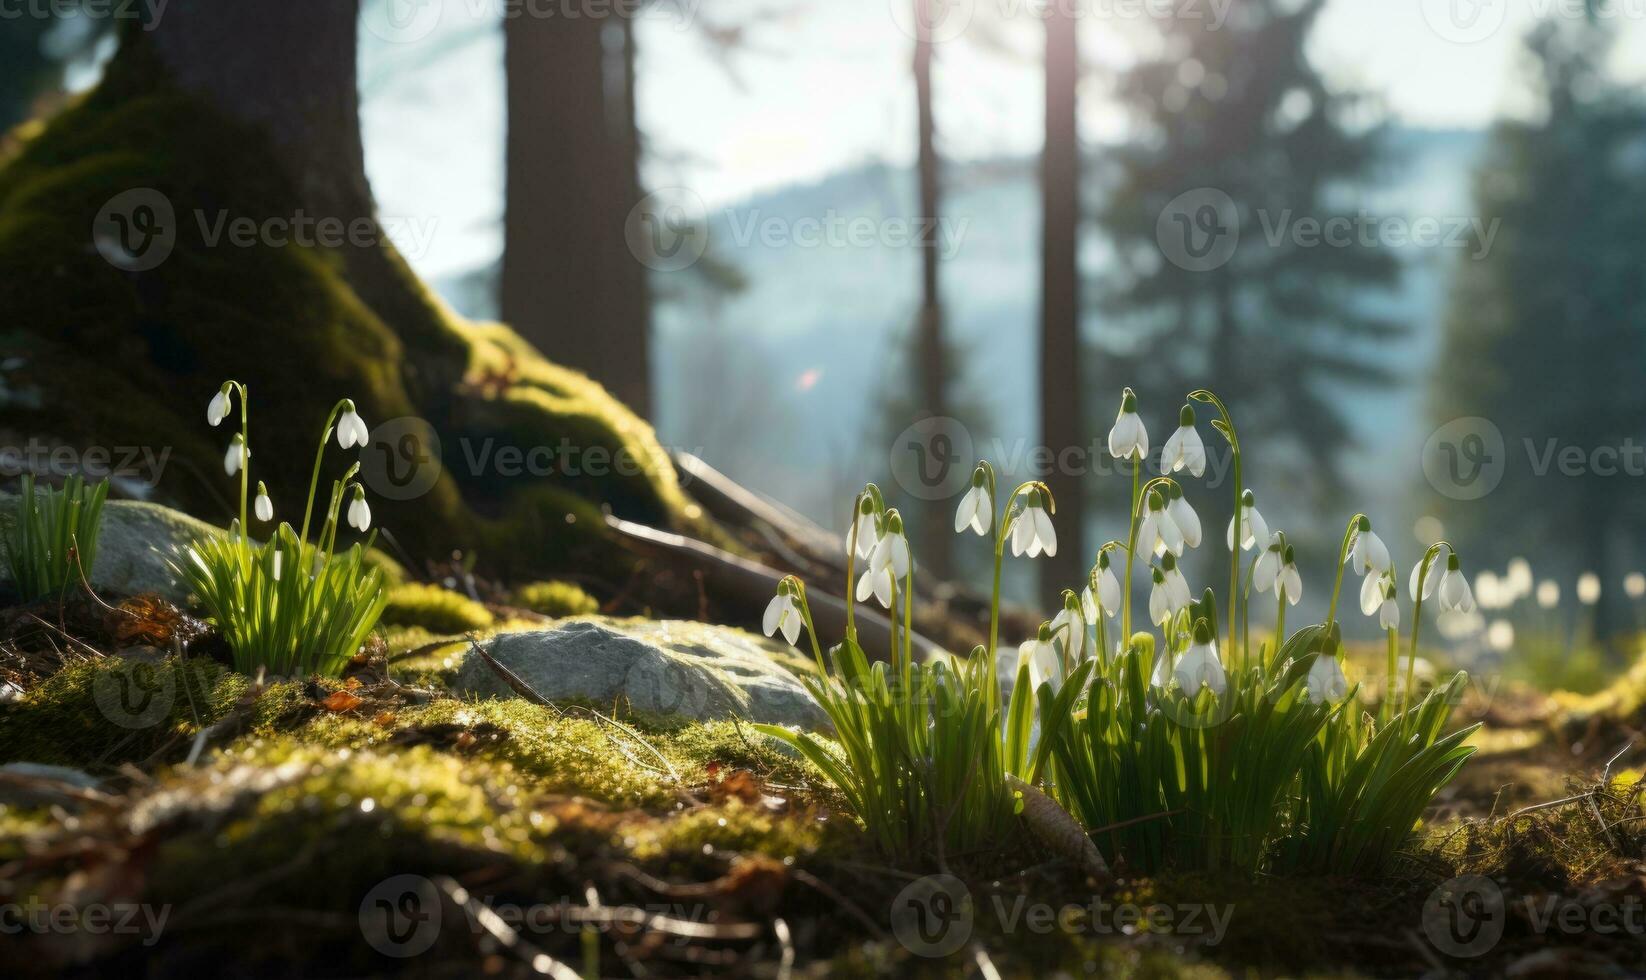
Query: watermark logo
936, 21
1464, 917
932, 459
932, 916
135, 230
1464, 21
402, 461
1199, 230
402, 21
135, 694
1464, 459
668, 230
400, 916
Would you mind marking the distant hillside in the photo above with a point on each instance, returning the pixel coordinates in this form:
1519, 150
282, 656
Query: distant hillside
779, 381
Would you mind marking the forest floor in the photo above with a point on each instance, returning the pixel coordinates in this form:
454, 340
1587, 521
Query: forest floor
177, 817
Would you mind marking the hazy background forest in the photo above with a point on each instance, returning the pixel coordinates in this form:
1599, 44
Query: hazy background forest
1151, 185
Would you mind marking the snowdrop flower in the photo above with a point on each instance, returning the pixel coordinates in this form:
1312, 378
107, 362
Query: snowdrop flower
1041, 656
235, 459
1388, 614
1326, 681
1184, 517
783, 613
263, 507
1368, 554
864, 535
1170, 594
878, 584
1288, 581
1253, 529
1128, 437
359, 511
218, 410
1032, 530
1184, 449
1158, 533
351, 428
892, 550
1071, 621
1107, 597
1371, 593
1430, 579
1200, 667
1177, 585
1454, 588
1548, 593
1266, 571
1588, 588
976, 509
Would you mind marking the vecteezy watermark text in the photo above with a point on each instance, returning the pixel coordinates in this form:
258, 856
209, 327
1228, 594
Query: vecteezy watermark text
33, 915
144, 464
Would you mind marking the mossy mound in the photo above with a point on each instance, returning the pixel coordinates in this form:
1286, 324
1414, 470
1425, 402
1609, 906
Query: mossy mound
555, 599
438, 610
120, 358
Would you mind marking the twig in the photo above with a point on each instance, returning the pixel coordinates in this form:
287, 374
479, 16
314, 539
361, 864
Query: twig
482, 915
831, 893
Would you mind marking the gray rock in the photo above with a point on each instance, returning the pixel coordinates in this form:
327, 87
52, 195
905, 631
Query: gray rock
132, 545
666, 666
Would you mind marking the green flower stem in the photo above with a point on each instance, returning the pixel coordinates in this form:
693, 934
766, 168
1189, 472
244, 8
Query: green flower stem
1342, 557
314, 476
1226, 426
1280, 619
1389, 683
1131, 548
811, 631
1417, 614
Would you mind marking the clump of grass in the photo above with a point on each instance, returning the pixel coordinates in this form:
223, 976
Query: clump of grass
54, 539
555, 598
289, 606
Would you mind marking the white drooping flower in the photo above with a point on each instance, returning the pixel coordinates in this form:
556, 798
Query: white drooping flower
1289, 582
1187, 521
1041, 656
1199, 666
1430, 578
359, 511
1388, 614
863, 534
1368, 554
1455, 595
1326, 682
1371, 593
1266, 570
351, 428
234, 460
1169, 594
218, 409
783, 613
892, 550
1253, 528
263, 507
1107, 598
1070, 624
1158, 533
976, 509
1127, 437
1184, 448
878, 583
1032, 529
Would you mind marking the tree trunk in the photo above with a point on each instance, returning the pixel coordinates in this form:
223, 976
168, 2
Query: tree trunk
1061, 420
570, 285
933, 372
287, 68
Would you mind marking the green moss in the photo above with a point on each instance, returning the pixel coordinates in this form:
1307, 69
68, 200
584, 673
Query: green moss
555, 599
18, 824
133, 355
736, 827
439, 610
105, 711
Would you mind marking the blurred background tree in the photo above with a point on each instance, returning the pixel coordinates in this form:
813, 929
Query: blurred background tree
1239, 119
1546, 335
